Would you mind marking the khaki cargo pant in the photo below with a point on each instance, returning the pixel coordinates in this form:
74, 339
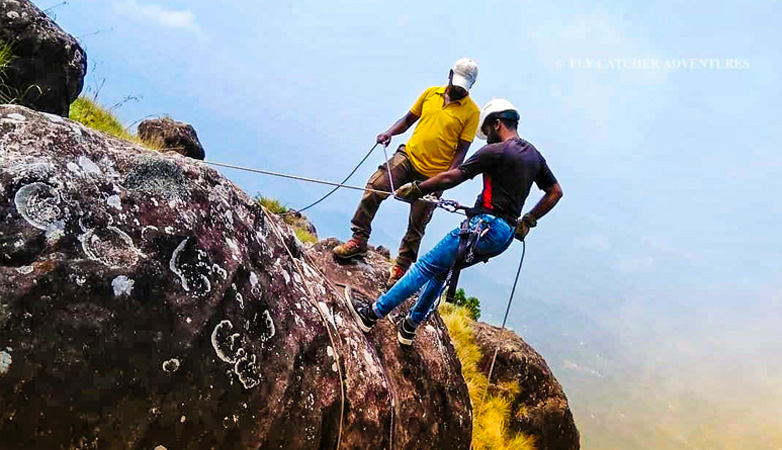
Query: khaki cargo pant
420, 213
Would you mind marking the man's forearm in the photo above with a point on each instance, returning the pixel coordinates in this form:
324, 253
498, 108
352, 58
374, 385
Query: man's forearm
442, 181
402, 125
546, 203
461, 152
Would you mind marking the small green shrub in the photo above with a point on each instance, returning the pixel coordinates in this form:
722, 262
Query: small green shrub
472, 304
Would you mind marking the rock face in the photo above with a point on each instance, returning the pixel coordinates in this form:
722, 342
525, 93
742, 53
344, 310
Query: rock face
427, 385
49, 65
171, 135
146, 301
540, 408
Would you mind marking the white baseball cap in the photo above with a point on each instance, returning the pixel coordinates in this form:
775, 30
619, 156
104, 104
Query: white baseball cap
465, 72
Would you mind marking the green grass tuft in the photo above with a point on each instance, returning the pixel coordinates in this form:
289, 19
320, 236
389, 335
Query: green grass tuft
7, 94
91, 114
305, 236
490, 417
272, 204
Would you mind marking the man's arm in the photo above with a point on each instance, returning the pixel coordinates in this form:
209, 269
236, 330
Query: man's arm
399, 127
545, 204
443, 181
461, 152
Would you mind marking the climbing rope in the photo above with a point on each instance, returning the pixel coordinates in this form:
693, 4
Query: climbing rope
295, 177
326, 323
343, 181
504, 321
451, 206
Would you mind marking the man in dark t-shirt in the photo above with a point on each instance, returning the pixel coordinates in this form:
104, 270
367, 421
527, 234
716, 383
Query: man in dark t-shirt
509, 166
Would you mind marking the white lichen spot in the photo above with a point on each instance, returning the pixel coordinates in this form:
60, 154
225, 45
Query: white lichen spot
286, 277
5, 361
330, 351
110, 246
240, 300
189, 320
38, 204
169, 230
246, 370
253, 280
172, 264
335, 367
115, 202
297, 278
25, 270
88, 166
182, 419
13, 15
55, 231
73, 167
220, 271
270, 329
224, 341
53, 118
154, 202
171, 366
16, 116
122, 286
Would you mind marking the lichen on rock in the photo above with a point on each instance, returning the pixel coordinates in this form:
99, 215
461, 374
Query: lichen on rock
139, 307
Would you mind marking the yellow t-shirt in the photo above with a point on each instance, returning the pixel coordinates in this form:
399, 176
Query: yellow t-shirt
440, 128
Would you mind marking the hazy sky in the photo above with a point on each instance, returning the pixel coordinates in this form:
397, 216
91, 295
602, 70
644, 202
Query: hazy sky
660, 119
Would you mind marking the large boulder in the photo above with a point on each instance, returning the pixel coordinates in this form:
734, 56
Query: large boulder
146, 301
539, 407
170, 135
428, 372
48, 66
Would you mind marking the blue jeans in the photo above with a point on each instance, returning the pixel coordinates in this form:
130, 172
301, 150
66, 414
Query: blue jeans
432, 270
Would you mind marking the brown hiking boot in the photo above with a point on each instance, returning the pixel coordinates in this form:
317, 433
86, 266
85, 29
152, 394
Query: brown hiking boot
397, 272
353, 247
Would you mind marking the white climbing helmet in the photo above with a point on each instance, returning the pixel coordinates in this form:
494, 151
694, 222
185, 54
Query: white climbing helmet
496, 105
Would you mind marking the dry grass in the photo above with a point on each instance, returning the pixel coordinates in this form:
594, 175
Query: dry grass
490, 417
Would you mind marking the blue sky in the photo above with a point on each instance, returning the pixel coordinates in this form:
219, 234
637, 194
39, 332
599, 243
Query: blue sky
668, 233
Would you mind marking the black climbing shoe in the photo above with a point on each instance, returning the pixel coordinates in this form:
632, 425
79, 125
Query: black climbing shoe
362, 312
406, 333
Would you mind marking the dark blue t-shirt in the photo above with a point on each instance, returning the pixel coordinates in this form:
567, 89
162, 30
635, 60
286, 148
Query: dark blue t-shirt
509, 168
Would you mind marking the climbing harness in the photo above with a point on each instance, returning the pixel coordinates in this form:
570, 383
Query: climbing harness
465, 254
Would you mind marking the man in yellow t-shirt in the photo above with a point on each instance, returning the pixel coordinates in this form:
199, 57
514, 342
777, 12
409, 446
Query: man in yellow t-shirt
447, 121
